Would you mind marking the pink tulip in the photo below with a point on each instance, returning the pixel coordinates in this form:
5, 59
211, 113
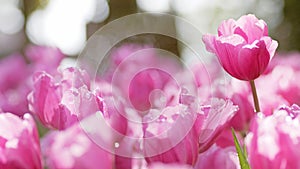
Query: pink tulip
14, 85
57, 101
217, 116
211, 82
271, 97
44, 58
16, 65
172, 138
216, 157
285, 70
19, 143
290, 59
274, 141
225, 139
113, 112
206, 73
207, 78
243, 47
240, 94
16, 75
145, 78
179, 133
169, 166
279, 75
72, 149
140, 163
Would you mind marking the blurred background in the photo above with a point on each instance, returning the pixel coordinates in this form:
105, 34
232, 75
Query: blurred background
67, 24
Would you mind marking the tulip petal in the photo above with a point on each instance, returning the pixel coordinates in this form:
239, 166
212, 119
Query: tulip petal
218, 114
254, 28
227, 49
209, 41
46, 98
19, 142
271, 45
253, 60
227, 27
240, 32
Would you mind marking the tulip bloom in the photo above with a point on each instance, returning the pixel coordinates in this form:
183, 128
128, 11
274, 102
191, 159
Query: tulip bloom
145, 78
72, 149
16, 74
169, 166
243, 47
142, 164
286, 70
274, 141
180, 133
19, 142
172, 138
57, 101
217, 157
44, 58
13, 84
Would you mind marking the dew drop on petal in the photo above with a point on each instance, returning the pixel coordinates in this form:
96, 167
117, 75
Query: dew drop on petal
88, 96
117, 145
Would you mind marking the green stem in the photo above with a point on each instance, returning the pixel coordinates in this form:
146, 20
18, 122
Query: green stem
255, 98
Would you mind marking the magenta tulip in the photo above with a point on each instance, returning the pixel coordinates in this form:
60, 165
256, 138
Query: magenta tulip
19, 143
14, 85
172, 138
285, 69
274, 141
243, 47
16, 76
57, 101
216, 157
142, 164
43, 58
145, 79
169, 166
72, 149
179, 133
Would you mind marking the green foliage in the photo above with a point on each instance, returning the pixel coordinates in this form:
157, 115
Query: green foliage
241, 153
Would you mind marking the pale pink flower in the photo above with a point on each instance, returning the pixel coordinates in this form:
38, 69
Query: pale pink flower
16, 75
172, 138
169, 166
240, 94
72, 149
216, 157
217, 116
285, 72
145, 78
179, 133
43, 58
19, 142
57, 101
290, 59
274, 141
225, 139
211, 82
14, 85
140, 163
243, 47
207, 77
112, 110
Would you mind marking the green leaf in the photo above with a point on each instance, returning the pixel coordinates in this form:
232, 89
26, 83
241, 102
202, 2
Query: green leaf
241, 154
245, 151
